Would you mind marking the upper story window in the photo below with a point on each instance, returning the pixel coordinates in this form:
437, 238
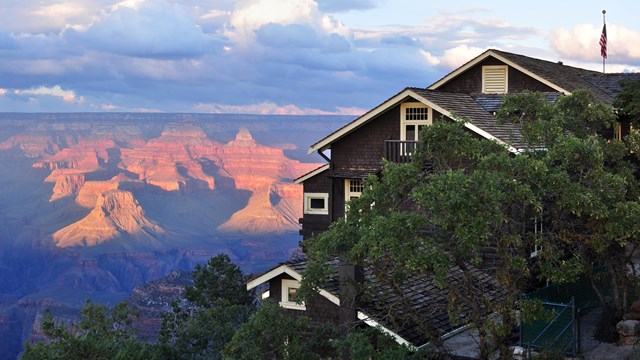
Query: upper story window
495, 79
353, 188
413, 116
290, 295
316, 203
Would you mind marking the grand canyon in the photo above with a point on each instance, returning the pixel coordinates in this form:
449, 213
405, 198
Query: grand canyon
95, 205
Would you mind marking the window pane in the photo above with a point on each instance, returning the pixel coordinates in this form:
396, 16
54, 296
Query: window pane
410, 132
356, 186
292, 293
316, 203
413, 114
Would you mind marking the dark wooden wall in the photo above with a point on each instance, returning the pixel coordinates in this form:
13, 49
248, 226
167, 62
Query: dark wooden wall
363, 149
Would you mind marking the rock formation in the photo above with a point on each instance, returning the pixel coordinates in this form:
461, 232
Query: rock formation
105, 175
116, 214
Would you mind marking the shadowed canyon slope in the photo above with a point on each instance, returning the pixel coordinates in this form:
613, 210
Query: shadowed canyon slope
108, 174
93, 205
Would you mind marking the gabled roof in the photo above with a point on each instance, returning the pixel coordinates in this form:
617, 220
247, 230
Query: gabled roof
311, 174
478, 108
457, 106
421, 296
560, 77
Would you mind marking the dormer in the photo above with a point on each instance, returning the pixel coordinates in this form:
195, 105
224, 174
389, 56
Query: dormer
495, 79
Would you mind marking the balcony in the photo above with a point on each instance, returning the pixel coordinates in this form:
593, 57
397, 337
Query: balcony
399, 151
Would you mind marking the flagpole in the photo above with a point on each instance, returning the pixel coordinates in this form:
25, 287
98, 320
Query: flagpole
604, 23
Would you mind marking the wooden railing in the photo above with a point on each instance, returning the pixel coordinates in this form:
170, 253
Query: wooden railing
399, 151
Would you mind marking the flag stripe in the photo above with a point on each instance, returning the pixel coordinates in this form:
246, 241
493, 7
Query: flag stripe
603, 42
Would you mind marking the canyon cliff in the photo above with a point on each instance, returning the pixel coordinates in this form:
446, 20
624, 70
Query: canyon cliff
94, 205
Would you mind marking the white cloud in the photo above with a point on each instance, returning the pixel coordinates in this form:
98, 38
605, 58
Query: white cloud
269, 108
55, 91
459, 55
142, 28
251, 15
581, 43
3, 91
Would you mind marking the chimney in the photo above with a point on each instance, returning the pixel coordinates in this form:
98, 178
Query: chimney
350, 276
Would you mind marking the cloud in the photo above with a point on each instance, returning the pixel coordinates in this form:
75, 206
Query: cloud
346, 5
7, 41
148, 29
459, 55
581, 43
55, 91
270, 108
251, 15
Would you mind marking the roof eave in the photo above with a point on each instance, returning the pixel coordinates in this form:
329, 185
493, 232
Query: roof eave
311, 174
326, 142
492, 53
284, 269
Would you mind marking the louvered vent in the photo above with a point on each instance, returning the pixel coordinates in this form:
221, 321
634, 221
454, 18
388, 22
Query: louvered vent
494, 79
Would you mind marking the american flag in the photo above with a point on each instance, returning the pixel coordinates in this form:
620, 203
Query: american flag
603, 42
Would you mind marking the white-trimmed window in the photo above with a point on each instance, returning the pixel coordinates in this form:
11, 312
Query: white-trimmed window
316, 203
353, 189
495, 79
290, 295
413, 116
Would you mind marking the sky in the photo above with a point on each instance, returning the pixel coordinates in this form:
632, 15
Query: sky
279, 56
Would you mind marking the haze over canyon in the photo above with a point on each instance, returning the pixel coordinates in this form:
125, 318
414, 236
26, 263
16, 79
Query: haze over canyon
93, 205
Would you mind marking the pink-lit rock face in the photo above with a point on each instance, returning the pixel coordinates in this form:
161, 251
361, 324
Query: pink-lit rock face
106, 173
116, 213
66, 185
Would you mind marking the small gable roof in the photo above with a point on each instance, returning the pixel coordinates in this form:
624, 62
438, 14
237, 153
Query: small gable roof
311, 174
421, 296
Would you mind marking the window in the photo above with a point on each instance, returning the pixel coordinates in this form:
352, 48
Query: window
413, 116
316, 203
290, 295
495, 79
353, 189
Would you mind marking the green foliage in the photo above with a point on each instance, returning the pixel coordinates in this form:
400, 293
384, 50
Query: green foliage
271, 334
102, 333
628, 101
543, 123
572, 192
372, 344
217, 283
216, 306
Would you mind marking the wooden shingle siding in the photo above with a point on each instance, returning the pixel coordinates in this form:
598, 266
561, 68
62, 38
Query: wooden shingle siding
471, 81
337, 205
319, 309
313, 224
364, 149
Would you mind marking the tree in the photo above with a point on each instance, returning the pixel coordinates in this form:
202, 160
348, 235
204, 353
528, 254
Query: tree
572, 193
212, 311
271, 333
102, 333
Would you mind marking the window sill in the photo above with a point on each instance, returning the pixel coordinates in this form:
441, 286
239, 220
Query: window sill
292, 306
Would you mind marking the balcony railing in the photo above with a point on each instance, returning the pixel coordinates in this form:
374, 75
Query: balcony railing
399, 151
